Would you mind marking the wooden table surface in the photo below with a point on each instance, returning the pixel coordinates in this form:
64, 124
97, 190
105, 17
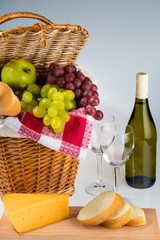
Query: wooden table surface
71, 229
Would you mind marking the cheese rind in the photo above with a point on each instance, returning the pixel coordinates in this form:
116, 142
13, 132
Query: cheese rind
30, 211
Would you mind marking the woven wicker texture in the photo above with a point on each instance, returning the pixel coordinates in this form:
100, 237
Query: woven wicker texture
25, 165
41, 43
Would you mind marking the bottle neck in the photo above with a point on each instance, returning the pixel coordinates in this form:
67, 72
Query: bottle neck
142, 86
141, 101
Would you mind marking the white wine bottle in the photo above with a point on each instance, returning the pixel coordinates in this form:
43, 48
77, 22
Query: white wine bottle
141, 167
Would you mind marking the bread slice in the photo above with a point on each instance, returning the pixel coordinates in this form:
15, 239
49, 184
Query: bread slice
138, 218
100, 208
120, 218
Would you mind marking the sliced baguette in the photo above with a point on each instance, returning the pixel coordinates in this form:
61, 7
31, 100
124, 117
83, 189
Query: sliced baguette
138, 218
100, 208
120, 218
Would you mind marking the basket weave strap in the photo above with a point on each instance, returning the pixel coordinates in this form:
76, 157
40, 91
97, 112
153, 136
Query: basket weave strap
13, 15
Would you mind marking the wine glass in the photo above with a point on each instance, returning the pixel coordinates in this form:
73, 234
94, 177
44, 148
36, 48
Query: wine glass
117, 153
99, 186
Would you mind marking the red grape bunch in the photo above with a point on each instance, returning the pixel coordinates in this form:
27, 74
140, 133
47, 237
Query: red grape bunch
70, 78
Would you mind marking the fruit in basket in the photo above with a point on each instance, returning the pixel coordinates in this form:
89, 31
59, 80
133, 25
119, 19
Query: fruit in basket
27, 97
49, 103
57, 103
18, 73
55, 94
70, 78
9, 102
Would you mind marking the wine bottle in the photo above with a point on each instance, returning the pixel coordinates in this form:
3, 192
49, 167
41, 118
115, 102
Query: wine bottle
141, 167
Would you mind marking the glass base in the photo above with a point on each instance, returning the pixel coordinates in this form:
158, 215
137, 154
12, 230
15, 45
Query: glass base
97, 188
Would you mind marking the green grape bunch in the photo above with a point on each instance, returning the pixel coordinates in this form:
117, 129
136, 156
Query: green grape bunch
49, 103
58, 92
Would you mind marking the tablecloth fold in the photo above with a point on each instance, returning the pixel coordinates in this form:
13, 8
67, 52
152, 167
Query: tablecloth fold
74, 139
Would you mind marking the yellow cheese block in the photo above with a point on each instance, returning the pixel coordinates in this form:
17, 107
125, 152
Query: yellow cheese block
29, 211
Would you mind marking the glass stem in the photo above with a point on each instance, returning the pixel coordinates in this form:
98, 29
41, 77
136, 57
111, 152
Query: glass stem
99, 169
116, 174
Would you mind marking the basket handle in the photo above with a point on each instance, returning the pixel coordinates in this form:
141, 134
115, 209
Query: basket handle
13, 15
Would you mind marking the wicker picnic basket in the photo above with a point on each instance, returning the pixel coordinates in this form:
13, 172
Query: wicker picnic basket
25, 165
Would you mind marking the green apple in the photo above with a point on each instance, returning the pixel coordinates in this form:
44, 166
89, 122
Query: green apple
18, 73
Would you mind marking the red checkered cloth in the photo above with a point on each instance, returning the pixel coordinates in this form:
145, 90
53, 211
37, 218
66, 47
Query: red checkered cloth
74, 139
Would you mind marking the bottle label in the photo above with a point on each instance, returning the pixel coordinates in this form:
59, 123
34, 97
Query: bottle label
142, 85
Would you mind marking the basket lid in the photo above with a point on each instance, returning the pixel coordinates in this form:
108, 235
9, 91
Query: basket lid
41, 43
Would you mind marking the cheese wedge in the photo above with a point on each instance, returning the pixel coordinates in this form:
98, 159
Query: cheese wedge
30, 211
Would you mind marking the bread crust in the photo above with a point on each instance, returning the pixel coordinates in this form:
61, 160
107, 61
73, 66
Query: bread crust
137, 219
100, 214
121, 217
